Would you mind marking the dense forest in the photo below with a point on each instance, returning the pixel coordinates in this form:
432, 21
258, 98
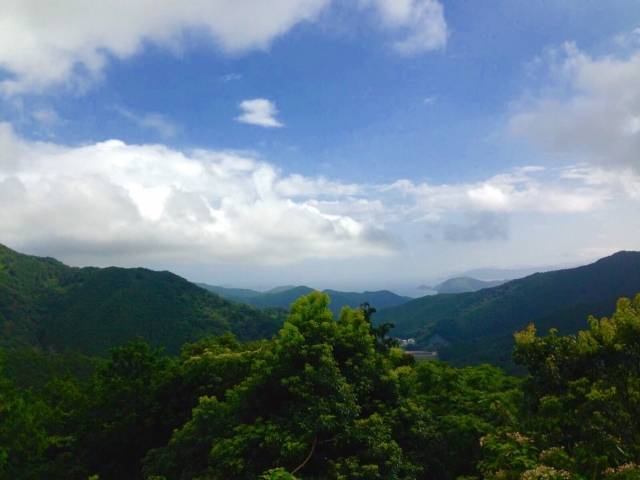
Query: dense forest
327, 399
48, 305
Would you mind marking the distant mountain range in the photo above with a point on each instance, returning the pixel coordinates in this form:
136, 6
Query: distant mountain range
46, 304
285, 296
479, 325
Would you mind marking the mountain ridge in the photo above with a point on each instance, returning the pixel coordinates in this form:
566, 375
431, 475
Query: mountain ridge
283, 297
472, 317
46, 304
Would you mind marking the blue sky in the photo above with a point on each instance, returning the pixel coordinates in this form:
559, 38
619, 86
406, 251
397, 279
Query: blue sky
370, 144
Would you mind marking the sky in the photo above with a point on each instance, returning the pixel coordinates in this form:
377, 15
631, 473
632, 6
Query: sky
351, 145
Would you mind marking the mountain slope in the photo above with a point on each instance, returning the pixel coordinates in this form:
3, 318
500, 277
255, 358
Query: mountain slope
44, 303
473, 317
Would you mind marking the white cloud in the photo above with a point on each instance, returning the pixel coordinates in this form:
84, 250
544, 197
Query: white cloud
154, 121
149, 201
421, 21
525, 190
259, 111
45, 43
598, 121
68, 43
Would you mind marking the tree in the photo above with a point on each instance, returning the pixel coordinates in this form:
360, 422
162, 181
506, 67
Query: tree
382, 343
320, 402
581, 403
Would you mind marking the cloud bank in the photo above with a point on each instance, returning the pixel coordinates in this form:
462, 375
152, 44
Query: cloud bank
595, 118
153, 202
147, 203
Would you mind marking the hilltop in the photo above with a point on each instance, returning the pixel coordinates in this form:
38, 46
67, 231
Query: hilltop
46, 304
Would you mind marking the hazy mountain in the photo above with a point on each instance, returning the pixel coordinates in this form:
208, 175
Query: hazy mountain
379, 299
46, 304
285, 296
469, 321
279, 299
465, 284
280, 289
230, 293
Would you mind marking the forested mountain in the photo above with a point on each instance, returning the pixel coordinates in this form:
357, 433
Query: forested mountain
285, 296
46, 304
465, 284
479, 325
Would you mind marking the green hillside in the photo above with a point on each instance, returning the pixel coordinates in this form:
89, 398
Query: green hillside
46, 304
474, 322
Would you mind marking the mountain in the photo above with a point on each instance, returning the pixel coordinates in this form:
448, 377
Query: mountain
495, 273
236, 294
280, 289
379, 299
465, 284
279, 299
471, 322
284, 296
46, 304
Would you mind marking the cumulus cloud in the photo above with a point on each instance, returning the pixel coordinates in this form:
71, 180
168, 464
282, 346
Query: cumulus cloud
598, 120
45, 43
149, 201
67, 42
259, 111
421, 22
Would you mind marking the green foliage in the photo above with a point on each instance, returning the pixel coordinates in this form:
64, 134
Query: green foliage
328, 400
31, 368
24, 432
319, 402
581, 403
469, 404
